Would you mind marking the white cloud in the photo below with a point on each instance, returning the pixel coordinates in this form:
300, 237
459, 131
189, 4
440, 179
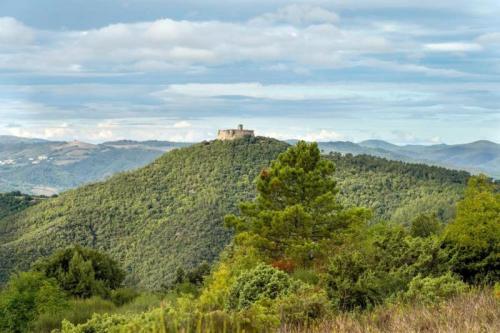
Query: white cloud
492, 38
302, 36
176, 45
292, 92
54, 132
453, 47
182, 124
13, 32
116, 129
322, 135
298, 14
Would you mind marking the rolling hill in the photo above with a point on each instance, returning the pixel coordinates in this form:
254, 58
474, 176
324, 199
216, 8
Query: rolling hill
42, 167
48, 167
476, 157
169, 214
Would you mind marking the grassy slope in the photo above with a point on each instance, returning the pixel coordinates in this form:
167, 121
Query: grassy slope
471, 312
170, 213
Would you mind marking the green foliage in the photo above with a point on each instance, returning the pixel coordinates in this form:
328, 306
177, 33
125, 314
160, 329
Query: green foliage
143, 302
169, 214
425, 226
166, 215
431, 290
474, 236
352, 283
304, 306
26, 297
123, 296
82, 272
77, 311
102, 323
296, 209
364, 274
306, 275
397, 191
13, 202
334, 258
262, 282
194, 276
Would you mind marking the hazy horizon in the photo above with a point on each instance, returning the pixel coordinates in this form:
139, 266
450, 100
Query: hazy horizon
257, 134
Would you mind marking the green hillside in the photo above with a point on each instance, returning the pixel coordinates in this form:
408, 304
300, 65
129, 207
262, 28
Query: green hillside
14, 202
169, 214
152, 220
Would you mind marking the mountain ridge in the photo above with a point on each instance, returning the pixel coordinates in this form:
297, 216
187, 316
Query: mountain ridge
481, 156
38, 166
49, 167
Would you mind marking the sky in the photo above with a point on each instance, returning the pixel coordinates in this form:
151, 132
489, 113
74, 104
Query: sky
409, 72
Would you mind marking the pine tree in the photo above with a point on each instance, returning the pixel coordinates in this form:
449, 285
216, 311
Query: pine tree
296, 212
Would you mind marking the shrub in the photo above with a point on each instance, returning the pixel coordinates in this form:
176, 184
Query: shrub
77, 311
308, 276
82, 272
351, 282
261, 282
429, 290
99, 323
143, 302
27, 296
122, 296
305, 306
425, 226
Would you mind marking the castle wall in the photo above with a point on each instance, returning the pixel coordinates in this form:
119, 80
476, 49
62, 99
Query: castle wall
233, 134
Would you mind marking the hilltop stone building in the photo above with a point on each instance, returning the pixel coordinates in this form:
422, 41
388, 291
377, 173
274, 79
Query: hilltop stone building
231, 134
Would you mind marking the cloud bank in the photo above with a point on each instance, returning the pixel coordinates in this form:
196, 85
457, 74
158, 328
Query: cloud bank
338, 69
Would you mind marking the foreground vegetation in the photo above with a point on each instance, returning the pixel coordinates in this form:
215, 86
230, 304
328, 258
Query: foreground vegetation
169, 215
300, 261
470, 312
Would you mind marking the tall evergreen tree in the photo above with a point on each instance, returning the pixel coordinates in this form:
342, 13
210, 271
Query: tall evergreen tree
296, 212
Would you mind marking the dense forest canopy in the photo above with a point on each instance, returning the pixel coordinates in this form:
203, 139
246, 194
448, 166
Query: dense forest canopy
170, 214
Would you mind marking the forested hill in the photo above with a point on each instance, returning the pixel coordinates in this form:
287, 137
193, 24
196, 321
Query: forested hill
13, 202
477, 157
152, 220
169, 214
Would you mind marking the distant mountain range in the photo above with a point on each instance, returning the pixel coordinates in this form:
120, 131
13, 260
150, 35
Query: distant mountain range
40, 166
48, 167
476, 157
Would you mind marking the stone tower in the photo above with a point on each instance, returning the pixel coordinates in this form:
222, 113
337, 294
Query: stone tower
231, 134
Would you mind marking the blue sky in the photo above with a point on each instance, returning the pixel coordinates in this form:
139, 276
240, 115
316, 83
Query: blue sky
403, 71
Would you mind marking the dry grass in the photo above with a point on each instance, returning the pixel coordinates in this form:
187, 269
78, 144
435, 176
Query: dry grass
472, 312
